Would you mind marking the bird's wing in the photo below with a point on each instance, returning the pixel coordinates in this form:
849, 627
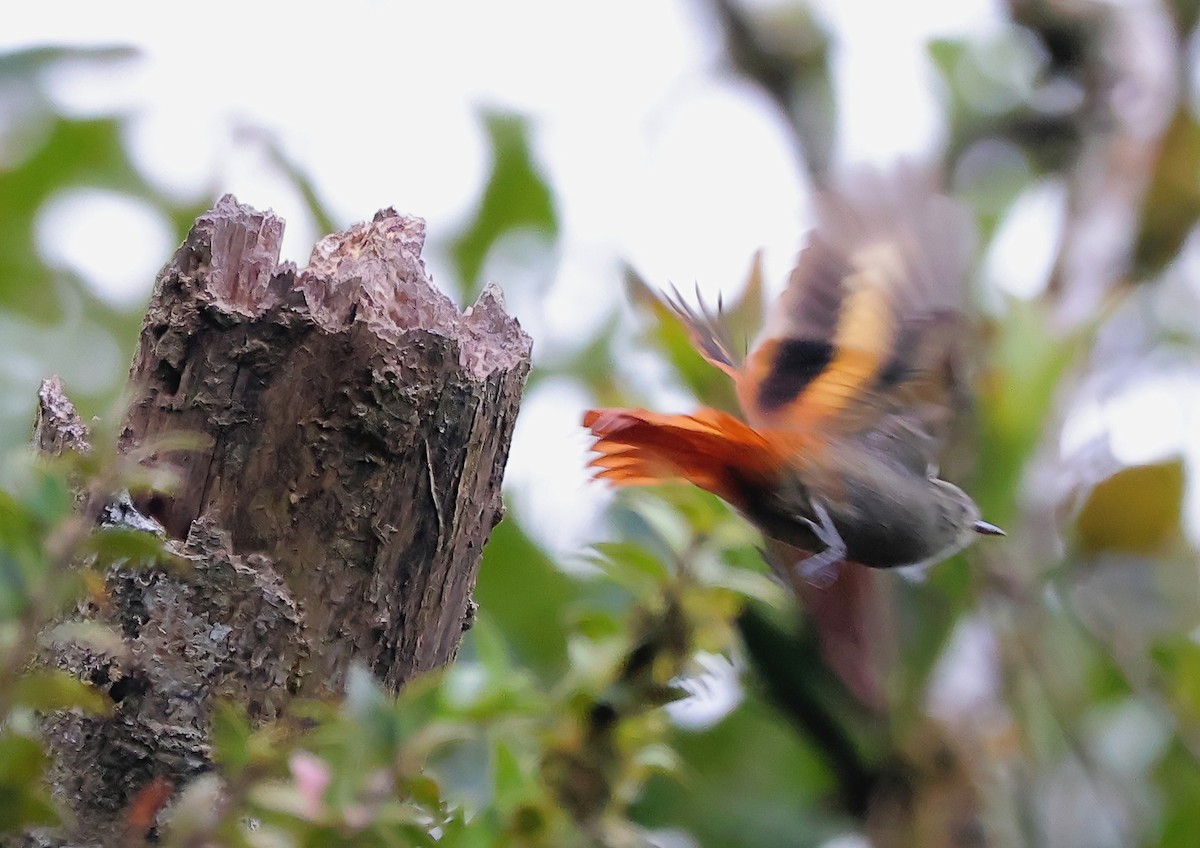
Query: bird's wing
864, 341
712, 331
707, 330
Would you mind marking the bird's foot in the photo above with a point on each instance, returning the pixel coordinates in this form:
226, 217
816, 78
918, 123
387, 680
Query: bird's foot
821, 568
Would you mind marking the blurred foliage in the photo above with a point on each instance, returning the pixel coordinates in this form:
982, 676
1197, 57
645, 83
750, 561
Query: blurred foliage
49, 553
1172, 202
50, 313
515, 197
1137, 509
785, 50
1039, 691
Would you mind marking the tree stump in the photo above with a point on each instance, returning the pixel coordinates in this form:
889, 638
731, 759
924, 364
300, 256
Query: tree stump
356, 428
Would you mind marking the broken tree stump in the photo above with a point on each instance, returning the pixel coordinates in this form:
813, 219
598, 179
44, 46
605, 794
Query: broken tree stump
355, 429
359, 427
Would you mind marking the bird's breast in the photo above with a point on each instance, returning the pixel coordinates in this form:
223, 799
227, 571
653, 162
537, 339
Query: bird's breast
886, 516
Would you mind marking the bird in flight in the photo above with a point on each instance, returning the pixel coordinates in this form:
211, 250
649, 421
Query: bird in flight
847, 397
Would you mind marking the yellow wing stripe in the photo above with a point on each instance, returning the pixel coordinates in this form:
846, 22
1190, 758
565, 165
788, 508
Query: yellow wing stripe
862, 343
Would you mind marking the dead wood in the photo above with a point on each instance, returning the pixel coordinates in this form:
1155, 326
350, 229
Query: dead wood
356, 429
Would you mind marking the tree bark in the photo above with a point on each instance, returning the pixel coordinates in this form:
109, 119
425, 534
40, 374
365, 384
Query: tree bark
355, 429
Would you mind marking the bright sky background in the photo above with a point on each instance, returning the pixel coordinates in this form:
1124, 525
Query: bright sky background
658, 156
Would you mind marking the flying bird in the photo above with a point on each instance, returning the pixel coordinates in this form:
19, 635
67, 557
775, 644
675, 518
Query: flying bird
846, 398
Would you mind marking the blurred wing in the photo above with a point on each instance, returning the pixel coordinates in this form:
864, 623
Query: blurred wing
852, 617
707, 330
864, 340
712, 332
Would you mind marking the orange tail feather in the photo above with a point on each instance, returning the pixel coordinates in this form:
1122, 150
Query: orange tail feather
710, 449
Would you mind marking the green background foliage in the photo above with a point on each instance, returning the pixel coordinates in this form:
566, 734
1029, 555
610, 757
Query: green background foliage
551, 728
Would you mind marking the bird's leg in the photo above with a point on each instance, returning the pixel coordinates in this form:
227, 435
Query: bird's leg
820, 569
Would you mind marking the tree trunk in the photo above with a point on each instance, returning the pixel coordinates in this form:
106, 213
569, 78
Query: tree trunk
355, 430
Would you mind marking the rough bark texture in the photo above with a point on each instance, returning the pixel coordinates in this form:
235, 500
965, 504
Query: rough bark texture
58, 427
357, 427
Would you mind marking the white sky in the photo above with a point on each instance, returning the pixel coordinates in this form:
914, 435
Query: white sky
656, 155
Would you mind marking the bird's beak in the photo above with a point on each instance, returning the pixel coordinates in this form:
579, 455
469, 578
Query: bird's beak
985, 529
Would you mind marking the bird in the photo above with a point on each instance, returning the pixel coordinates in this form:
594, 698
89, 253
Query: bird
847, 397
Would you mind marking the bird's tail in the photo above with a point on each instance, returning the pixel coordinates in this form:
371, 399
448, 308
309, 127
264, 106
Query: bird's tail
710, 449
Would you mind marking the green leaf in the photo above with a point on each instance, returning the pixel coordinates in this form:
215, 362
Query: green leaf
1136, 510
1179, 781
231, 735
24, 800
524, 593
511, 780
592, 365
17, 527
631, 566
516, 197
47, 496
47, 690
70, 152
1027, 357
1180, 662
425, 791
1172, 203
122, 544
747, 783
490, 649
